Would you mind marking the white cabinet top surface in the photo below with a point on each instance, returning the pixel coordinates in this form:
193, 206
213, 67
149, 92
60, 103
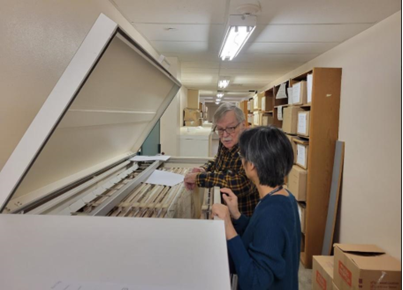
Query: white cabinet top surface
37, 252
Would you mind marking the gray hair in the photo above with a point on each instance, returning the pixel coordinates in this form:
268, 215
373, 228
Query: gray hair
223, 109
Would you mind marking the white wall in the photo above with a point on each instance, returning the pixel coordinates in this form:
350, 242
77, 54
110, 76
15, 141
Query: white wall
370, 126
38, 40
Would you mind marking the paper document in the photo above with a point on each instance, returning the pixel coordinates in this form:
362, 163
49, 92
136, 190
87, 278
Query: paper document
301, 155
296, 92
309, 89
280, 113
150, 158
164, 178
281, 94
301, 123
290, 96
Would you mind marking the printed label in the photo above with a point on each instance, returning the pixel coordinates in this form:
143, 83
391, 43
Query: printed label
320, 281
345, 273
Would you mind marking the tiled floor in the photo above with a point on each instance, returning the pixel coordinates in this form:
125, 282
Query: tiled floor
305, 278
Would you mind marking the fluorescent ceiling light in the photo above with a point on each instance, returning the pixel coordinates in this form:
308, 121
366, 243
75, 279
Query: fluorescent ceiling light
220, 95
239, 29
222, 84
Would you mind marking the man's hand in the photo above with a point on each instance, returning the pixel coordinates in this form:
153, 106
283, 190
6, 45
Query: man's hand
198, 169
232, 202
190, 180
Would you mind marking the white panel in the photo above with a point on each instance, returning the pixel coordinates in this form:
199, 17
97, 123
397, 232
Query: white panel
308, 33
315, 11
182, 32
59, 98
112, 111
151, 254
174, 11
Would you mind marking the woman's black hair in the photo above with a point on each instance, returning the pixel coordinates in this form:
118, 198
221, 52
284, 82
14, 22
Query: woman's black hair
270, 151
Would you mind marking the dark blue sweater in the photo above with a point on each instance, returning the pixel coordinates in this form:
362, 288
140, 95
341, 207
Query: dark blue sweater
266, 251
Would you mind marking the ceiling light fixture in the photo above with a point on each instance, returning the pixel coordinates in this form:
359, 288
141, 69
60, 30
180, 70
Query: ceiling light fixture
220, 95
239, 29
222, 84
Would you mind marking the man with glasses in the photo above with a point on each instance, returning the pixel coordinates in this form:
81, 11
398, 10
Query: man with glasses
226, 169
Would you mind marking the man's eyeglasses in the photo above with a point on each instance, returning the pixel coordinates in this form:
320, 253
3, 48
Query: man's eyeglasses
229, 130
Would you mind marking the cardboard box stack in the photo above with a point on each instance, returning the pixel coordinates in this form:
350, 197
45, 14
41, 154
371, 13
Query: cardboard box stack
322, 272
192, 117
356, 267
297, 182
193, 99
257, 101
302, 152
290, 119
299, 93
267, 119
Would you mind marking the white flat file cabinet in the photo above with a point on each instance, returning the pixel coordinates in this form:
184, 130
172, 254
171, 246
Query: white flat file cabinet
77, 211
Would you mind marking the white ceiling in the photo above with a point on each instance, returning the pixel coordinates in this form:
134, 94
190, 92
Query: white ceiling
289, 33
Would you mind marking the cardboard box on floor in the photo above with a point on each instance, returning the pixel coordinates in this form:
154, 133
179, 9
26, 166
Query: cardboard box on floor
365, 267
322, 273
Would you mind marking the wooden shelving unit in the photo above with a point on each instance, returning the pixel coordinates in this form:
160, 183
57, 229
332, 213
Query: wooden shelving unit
244, 108
323, 134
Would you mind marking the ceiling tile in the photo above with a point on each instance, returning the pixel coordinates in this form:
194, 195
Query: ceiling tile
201, 64
293, 48
308, 33
319, 11
173, 11
182, 32
178, 48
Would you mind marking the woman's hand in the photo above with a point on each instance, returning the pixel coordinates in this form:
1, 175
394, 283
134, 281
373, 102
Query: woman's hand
222, 212
232, 202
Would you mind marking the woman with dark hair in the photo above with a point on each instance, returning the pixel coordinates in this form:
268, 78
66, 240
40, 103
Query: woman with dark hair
264, 249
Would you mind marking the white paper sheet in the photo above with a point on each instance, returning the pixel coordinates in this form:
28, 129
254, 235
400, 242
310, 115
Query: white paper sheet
296, 92
309, 89
280, 113
164, 178
301, 155
281, 94
290, 96
150, 158
301, 123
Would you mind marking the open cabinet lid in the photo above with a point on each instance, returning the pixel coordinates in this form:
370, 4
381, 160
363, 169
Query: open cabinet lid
100, 112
